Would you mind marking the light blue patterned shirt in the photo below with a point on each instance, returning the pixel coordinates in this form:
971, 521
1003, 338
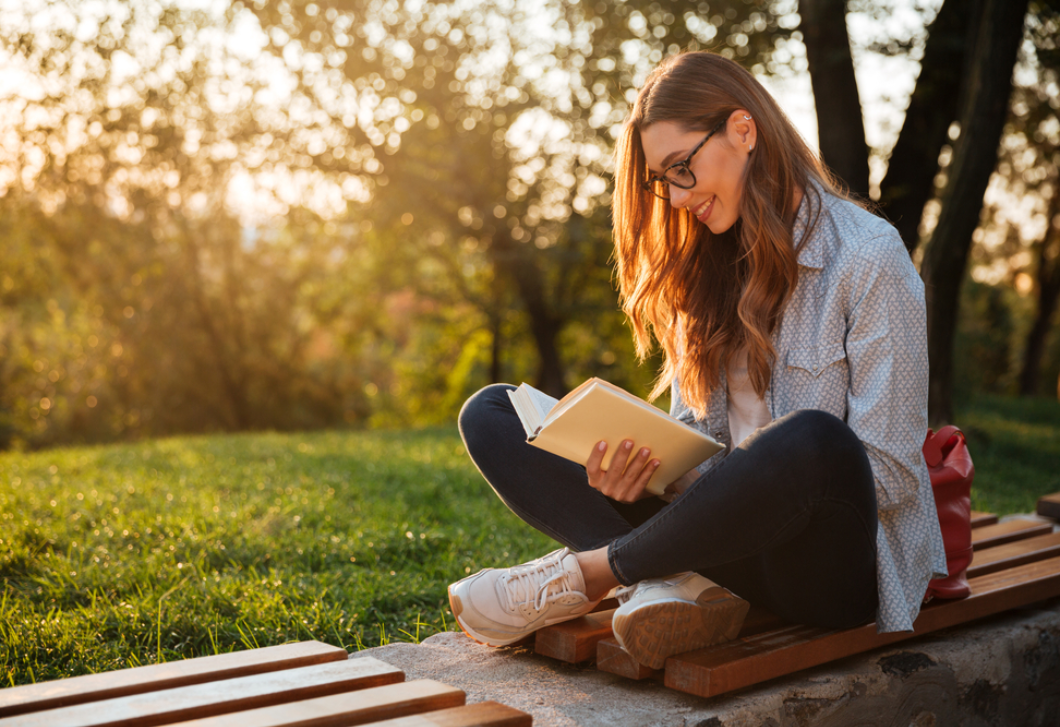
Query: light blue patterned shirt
853, 342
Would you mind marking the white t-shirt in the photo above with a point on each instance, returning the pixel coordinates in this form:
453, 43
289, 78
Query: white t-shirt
747, 412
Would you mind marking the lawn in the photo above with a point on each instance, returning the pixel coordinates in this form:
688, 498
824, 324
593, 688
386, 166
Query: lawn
128, 554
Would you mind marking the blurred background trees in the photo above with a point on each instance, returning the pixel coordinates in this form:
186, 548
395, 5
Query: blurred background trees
303, 214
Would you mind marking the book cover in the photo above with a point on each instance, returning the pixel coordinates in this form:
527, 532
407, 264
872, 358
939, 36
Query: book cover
598, 410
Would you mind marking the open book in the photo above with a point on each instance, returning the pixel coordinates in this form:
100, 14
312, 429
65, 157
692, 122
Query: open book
598, 411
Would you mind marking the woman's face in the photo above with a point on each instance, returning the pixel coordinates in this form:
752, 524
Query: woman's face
718, 166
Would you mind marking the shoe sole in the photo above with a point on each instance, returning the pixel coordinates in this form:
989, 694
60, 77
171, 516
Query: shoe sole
661, 629
457, 607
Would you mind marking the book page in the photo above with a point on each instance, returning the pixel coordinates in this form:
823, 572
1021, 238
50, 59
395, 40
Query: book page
532, 406
542, 402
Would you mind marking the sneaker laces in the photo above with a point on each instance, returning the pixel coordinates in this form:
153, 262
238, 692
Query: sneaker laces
624, 593
538, 582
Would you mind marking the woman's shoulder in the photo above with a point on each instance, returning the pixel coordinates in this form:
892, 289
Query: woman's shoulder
861, 238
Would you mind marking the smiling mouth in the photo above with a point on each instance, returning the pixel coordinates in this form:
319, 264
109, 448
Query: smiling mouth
703, 211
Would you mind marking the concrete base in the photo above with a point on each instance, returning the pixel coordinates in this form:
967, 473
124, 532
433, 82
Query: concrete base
1000, 671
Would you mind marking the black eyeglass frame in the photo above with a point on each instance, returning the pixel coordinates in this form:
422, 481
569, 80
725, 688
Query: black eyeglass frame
649, 183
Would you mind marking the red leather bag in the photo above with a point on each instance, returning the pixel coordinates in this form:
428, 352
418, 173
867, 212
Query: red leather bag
951, 470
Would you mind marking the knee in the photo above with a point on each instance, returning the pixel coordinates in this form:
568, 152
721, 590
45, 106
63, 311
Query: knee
480, 411
831, 439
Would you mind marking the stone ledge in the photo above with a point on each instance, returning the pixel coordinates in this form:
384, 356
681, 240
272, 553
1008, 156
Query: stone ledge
1004, 670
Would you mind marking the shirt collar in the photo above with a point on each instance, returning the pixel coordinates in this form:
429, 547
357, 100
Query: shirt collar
812, 253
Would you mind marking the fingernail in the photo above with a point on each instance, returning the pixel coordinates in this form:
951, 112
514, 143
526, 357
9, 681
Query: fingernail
644, 452
656, 463
602, 446
627, 445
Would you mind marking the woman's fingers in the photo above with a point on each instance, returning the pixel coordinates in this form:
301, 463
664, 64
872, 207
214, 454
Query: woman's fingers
626, 477
593, 465
637, 492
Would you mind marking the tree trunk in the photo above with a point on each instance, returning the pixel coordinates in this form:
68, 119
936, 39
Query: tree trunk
495, 347
983, 113
910, 180
545, 326
835, 92
1048, 292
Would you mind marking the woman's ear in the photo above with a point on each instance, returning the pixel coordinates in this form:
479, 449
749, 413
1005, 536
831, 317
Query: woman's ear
744, 130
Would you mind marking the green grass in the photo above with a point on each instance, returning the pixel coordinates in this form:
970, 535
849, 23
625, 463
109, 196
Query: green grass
124, 555
1015, 446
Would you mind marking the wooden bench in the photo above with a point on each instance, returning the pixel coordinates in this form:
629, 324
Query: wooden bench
308, 683
1016, 563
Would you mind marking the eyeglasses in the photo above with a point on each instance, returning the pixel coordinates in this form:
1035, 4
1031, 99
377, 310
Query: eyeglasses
679, 174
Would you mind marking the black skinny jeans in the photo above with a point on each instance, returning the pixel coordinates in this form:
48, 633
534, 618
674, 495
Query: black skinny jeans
787, 520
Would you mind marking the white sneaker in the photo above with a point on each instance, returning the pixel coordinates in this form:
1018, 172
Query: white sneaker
664, 616
499, 606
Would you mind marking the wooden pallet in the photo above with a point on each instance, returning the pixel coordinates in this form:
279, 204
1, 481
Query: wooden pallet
1049, 506
1016, 563
302, 684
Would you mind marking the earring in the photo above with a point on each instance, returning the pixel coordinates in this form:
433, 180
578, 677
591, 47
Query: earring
747, 117
750, 148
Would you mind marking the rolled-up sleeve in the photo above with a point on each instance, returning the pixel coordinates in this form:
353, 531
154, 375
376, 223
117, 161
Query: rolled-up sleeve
886, 345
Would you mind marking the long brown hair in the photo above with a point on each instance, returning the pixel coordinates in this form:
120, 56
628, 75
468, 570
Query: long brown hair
706, 296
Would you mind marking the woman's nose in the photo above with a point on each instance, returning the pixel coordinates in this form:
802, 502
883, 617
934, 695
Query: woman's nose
678, 196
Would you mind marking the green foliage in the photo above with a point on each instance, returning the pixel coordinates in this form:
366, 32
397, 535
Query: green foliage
1015, 446
984, 341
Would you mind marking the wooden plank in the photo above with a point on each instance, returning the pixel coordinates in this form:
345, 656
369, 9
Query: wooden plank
220, 697
771, 654
608, 604
156, 677
337, 710
575, 640
1010, 555
612, 658
1049, 506
483, 714
980, 519
759, 620
990, 535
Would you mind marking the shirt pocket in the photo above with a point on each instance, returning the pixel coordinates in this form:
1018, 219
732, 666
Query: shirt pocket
815, 360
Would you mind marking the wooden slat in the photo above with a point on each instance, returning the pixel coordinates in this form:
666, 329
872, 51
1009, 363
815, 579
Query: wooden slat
759, 620
990, 535
980, 519
483, 714
1028, 550
608, 604
338, 710
1049, 506
777, 653
138, 680
214, 698
612, 658
574, 641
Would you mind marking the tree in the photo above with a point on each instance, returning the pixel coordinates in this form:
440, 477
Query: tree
985, 107
138, 122
993, 29
835, 91
530, 92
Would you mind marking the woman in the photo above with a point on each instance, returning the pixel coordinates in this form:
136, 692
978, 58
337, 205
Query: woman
793, 327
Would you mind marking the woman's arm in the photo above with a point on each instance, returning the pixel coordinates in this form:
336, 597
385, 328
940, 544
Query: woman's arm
886, 344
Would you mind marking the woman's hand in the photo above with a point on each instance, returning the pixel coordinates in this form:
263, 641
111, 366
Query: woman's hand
627, 476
